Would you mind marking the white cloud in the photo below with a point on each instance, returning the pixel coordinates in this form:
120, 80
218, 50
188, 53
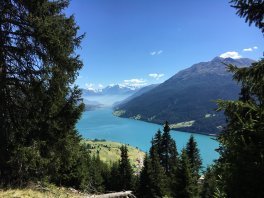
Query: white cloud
248, 49
156, 76
159, 52
93, 87
90, 86
156, 52
134, 83
233, 54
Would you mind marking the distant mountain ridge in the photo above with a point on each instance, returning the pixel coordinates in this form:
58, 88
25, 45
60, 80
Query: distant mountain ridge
186, 100
109, 90
136, 94
107, 96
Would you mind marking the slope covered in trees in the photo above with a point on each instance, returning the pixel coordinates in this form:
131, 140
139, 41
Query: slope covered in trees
186, 100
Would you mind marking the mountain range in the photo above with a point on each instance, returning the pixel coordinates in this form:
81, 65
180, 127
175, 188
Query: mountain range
95, 98
187, 99
110, 90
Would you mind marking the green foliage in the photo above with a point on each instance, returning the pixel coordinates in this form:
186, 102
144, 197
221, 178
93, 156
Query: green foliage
144, 187
181, 178
95, 174
194, 155
125, 170
251, 10
241, 164
184, 185
157, 176
168, 151
39, 106
242, 141
209, 185
113, 183
156, 142
153, 181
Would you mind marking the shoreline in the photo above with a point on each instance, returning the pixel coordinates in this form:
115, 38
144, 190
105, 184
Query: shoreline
173, 129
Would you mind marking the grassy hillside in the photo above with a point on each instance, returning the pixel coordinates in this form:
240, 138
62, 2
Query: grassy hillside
109, 152
41, 192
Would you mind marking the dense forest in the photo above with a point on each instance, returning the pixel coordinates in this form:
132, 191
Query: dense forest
40, 106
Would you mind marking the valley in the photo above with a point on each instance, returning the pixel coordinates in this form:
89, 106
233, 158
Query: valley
102, 124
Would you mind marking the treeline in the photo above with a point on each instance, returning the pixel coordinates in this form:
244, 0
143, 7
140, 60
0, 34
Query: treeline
167, 173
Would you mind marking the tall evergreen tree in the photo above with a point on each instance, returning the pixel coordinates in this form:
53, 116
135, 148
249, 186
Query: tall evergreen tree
125, 170
114, 182
209, 185
184, 187
156, 142
144, 188
39, 106
95, 174
158, 179
242, 142
194, 156
241, 164
168, 150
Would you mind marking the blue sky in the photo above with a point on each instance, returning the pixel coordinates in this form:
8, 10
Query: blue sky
140, 42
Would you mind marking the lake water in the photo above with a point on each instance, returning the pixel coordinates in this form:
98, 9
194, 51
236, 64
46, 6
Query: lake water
101, 124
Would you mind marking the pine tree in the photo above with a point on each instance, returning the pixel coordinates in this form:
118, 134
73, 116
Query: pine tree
194, 156
209, 185
144, 188
251, 10
242, 141
95, 174
241, 165
39, 106
158, 179
168, 150
114, 182
157, 140
184, 184
125, 170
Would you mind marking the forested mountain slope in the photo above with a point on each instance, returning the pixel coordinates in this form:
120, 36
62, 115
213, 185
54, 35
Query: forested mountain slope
186, 100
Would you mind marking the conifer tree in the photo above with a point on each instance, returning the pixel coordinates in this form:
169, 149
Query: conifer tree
39, 106
157, 140
194, 156
158, 179
242, 141
184, 184
251, 10
95, 174
168, 150
241, 165
144, 188
125, 170
210, 183
114, 182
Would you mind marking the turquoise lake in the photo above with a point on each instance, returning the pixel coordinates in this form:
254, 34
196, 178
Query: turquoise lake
101, 124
